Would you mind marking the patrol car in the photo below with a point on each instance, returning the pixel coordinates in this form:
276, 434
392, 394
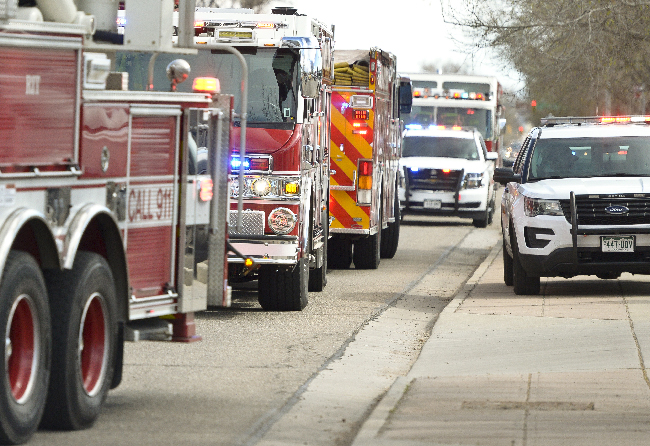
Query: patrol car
577, 201
447, 171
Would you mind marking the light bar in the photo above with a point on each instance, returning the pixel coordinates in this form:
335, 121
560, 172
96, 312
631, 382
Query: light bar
253, 163
596, 119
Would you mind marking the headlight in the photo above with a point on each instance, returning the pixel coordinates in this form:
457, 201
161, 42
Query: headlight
534, 207
473, 180
261, 187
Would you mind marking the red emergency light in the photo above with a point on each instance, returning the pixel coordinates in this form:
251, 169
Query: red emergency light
361, 114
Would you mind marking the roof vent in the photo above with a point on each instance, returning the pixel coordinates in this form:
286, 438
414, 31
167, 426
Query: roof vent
284, 10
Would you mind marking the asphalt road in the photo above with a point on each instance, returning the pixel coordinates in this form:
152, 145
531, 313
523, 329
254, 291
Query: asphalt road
308, 377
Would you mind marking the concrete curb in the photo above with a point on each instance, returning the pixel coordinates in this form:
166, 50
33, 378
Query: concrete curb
380, 414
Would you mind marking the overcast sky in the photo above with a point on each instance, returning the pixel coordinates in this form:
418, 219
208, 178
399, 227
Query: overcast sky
413, 30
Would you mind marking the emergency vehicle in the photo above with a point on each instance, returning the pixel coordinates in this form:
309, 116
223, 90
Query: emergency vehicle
461, 100
285, 187
99, 205
366, 148
576, 201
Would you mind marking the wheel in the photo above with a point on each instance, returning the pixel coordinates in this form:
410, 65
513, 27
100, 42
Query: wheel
483, 221
339, 253
367, 252
25, 322
84, 330
507, 266
492, 205
390, 235
280, 289
523, 283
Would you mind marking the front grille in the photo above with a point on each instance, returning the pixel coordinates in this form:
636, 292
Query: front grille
434, 179
591, 209
252, 223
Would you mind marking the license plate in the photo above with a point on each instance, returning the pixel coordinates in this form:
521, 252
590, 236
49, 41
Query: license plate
236, 34
432, 204
623, 243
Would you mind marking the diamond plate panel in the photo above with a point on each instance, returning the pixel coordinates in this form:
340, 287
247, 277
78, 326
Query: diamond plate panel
252, 223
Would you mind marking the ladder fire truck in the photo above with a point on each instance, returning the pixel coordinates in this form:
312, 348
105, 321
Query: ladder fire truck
285, 187
101, 204
366, 147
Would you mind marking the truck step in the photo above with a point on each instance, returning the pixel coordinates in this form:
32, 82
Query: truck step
149, 330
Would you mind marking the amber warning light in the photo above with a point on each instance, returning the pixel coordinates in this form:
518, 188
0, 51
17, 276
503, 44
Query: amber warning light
206, 85
205, 190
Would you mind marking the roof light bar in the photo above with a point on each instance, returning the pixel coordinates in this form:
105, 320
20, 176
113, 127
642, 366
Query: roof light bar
595, 119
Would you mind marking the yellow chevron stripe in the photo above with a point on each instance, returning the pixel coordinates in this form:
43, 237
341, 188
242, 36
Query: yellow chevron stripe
362, 146
345, 200
345, 165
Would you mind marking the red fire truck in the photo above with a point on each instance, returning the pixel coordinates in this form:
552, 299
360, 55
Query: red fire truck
285, 187
100, 208
366, 148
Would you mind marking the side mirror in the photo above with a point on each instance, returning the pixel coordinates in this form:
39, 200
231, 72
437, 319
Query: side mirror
505, 175
405, 96
491, 156
311, 65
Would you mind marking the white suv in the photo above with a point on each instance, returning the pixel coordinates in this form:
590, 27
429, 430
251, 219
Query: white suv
577, 201
447, 172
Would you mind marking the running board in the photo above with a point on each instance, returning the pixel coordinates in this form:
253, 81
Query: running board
154, 329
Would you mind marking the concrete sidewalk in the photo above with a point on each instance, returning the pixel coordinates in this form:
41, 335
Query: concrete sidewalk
562, 368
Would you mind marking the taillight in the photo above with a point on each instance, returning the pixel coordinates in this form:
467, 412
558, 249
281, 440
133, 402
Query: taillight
488, 145
365, 168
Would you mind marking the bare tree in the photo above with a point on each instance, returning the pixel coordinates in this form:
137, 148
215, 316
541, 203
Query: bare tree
576, 56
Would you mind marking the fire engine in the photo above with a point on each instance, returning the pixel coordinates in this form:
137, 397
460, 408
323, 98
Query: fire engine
99, 205
285, 187
366, 148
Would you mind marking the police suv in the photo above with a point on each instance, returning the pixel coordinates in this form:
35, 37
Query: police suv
577, 201
447, 171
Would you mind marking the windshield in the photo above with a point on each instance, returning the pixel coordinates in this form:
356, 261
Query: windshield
466, 117
481, 119
273, 77
590, 157
445, 147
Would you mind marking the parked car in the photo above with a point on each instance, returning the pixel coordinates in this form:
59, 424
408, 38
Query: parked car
447, 172
577, 201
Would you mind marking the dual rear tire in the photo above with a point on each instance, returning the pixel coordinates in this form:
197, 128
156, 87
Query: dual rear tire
59, 362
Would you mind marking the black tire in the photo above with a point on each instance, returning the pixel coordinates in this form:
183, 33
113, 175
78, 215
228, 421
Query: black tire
483, 221
280, 289
524, 284
27, 351
339, 253
390, 235
507, 266
367, 252
84, 330
318, 276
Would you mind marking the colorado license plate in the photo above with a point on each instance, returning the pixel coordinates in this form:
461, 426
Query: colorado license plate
623, 243
432, 204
